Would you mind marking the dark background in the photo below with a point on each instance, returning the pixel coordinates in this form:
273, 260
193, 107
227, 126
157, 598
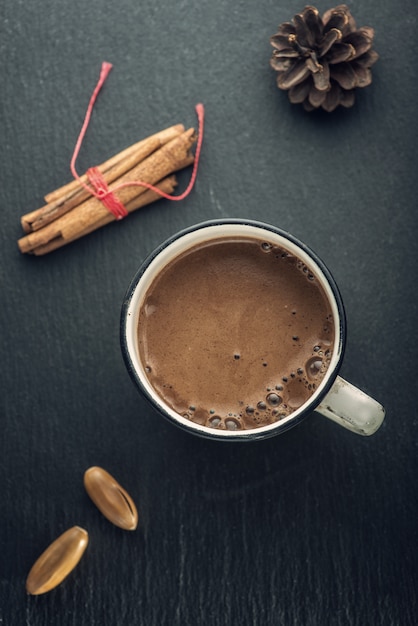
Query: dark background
315, 527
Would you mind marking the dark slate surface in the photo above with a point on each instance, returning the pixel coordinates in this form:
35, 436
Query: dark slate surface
315, 527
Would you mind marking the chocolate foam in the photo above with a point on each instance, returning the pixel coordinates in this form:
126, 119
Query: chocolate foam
235, 333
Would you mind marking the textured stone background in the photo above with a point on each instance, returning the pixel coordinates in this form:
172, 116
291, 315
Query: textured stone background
315, 527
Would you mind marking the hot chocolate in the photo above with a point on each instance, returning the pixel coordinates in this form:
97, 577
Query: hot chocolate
235, 333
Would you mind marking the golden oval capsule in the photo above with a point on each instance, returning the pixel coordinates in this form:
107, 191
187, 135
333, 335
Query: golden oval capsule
57, 561
110, 498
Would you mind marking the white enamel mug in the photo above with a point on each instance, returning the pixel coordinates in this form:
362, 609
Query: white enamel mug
334, 397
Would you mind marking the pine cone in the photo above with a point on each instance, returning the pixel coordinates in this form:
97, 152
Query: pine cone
320, 61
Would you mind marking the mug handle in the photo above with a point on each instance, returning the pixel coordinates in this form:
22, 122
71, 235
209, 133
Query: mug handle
350, 407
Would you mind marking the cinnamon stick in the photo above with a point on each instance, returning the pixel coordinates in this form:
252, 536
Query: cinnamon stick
92, 214
71, 195
167, 185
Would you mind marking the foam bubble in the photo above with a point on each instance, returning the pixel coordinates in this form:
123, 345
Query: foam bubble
273, 399
232, 424
313, 366
149, 309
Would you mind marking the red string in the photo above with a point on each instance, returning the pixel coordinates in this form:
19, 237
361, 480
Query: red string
200, 111
103, 193
106, 67
98, 186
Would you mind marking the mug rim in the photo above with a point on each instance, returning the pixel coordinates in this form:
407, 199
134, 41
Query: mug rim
245, 434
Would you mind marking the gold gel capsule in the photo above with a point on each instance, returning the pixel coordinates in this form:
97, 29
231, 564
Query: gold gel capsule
110, 498
58, 560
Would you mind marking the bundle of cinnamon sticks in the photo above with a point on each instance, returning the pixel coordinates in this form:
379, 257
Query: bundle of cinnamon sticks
71, 212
